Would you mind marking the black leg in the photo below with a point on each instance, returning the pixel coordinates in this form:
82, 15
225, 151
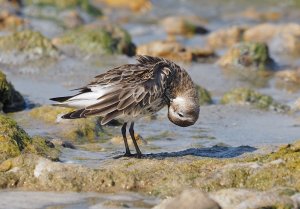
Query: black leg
131, 131
127, 153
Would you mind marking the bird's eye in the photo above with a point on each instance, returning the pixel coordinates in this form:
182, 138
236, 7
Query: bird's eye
180, 114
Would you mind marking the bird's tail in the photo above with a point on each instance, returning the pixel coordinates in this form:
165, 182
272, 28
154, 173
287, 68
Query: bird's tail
74, 115
61, 99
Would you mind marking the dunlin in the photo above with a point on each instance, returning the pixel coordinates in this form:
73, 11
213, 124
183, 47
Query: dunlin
131, 91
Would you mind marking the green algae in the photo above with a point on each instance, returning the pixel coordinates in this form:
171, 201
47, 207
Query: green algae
249, 55
28, 41
105, 40
67, 4
44, 148
10, 99
204, 96
13, 138
245, 96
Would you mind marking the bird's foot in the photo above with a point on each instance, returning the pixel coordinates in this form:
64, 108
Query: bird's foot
137, 155
128, 154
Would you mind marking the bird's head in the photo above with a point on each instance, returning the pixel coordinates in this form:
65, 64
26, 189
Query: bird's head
184, 111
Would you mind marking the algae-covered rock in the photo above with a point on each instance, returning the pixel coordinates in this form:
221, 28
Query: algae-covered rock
85, 130
10, 99
44, 148
245, 96
226, 37
204, 96
67, 4
25, 46
15, 141
79, 130
174, 50
103, 40
248, 55
282, 38
184, 25
162, 176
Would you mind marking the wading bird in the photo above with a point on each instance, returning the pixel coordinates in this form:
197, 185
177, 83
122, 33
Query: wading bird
131, 91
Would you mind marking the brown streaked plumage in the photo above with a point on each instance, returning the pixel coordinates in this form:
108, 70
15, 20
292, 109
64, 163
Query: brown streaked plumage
131, 91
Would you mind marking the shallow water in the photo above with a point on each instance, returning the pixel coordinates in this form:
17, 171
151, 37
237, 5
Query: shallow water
222, 131
72, 200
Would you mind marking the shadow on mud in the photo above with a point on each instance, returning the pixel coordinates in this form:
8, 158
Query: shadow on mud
214, 152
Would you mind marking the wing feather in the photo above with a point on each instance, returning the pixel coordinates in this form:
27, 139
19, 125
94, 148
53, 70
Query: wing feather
110, 116
124, 103
105, 102
100, 112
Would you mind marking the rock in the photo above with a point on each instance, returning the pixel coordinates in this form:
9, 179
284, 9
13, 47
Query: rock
253, 14
296, 198
288, 79
79, 130
83, 5
175, 51
266, 200
292, 76
286, 43
5, 165
245, 96
261, 33
49, 114
283, 38
248, 55
250, 199
226, 37
192, 199
204, 96
94, 40
296, 105
161, 176
11, 5
71, 19
136, 5
14, 141
10, 21
15, 51
63, 143
10, 99
184, 25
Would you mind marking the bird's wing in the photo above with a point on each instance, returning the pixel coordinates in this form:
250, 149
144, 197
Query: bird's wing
128, 88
